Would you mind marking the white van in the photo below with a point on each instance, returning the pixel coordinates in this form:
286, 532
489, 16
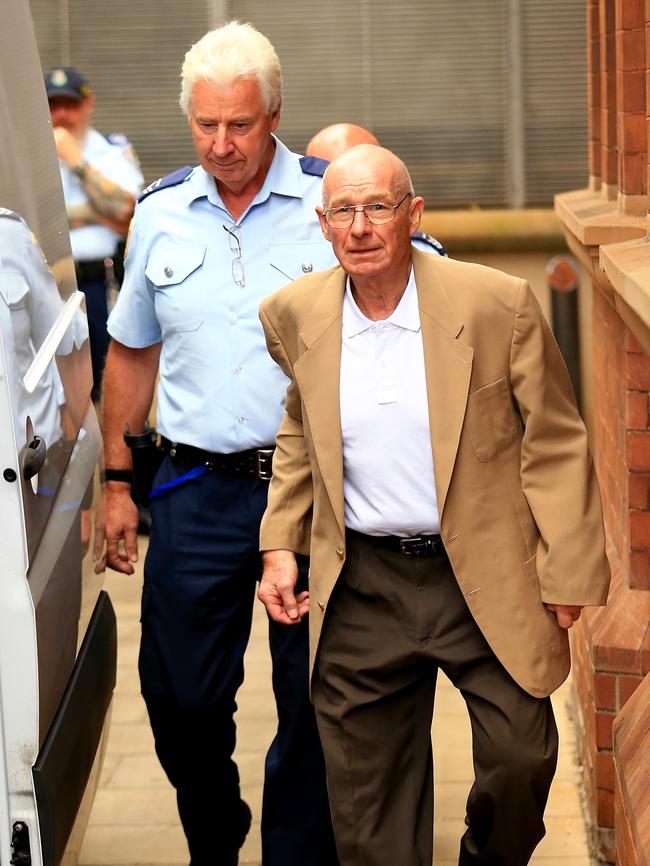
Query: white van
57, 627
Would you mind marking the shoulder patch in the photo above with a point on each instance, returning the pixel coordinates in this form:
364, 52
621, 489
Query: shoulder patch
117, 138
172, 179
313, 165
427, 242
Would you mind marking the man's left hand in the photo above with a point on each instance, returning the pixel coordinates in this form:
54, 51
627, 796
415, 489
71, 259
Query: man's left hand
277, 588
566, 614
67, 147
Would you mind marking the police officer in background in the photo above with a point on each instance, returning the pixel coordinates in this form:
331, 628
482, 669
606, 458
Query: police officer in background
207, 244
331, 141
101, 181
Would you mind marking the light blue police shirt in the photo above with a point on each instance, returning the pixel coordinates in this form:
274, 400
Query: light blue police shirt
218, 390
116, 161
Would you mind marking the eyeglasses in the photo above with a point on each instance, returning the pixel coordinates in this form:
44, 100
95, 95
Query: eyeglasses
378, 213
235, 247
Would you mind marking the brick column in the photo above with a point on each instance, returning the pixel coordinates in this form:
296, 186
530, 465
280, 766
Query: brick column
610, 644
593, 91
608, 119
631, 105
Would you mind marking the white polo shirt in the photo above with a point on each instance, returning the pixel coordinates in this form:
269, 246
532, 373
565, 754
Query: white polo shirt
389, 485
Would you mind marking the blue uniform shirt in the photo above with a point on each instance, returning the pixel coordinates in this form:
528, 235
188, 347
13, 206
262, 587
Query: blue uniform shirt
219, 390
114, 158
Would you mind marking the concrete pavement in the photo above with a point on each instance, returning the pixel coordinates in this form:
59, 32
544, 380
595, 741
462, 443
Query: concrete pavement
134, 819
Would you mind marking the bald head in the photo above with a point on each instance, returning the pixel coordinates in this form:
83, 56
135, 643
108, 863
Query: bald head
363, 164
334, 140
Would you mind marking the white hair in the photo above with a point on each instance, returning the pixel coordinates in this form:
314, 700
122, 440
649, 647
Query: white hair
229, 53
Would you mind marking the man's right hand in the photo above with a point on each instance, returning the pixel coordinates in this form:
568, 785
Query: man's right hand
277, 588
121, 527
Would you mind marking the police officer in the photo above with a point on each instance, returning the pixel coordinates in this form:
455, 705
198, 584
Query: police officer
206, 245
101, 180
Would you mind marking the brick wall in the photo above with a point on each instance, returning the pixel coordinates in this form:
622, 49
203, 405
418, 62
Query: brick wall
611, 646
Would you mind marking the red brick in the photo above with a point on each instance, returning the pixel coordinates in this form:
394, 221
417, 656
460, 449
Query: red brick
637, 491
630, 47
627, 685
605, 771
630, 14
638, 452
605, 808
640, 530
631, 132
604, 723
605, 691
638, 372
639, 574
631, 93
636, 410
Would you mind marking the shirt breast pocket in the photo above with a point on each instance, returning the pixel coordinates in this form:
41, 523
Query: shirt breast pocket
490, 420
290, 261
178, 282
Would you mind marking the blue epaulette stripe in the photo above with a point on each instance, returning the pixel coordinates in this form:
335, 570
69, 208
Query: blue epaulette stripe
168, 180
313, 165
432, 242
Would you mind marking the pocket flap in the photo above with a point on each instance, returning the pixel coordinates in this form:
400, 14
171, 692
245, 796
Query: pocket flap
168, 267
14, 288
302, 257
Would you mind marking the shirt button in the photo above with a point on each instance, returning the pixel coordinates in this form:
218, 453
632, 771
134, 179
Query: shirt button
168, 271
307, 267
240, 419
339, 551
234, 317
237, 369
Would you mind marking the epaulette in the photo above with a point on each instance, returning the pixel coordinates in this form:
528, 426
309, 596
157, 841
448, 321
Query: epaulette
117, 138
172, 179
435, 245
313, 165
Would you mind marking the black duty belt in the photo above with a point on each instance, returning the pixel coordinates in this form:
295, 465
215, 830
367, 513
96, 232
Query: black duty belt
415, 545
90, 271
256, 461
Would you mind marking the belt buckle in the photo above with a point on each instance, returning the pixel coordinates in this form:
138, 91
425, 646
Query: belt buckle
264, 463
415, 546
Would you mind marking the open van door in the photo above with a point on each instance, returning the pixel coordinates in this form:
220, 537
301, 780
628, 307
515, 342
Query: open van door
57, 627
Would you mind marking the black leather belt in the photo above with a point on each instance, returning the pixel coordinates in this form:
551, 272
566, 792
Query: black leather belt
256, 461
415, 545
90, 271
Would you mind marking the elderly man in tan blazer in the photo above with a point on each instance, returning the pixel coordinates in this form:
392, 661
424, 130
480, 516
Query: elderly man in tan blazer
433, 464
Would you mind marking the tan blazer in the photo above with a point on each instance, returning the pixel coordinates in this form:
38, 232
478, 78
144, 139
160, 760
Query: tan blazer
519, 504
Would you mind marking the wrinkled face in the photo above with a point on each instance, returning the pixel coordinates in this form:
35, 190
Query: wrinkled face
366, 250
232, 132
71, 114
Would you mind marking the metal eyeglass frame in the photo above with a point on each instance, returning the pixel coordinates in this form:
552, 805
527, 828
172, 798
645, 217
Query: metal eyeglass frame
351, 210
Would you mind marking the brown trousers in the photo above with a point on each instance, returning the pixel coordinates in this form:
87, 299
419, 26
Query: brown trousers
392, 621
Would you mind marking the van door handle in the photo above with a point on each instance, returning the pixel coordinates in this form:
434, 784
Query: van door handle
34, 457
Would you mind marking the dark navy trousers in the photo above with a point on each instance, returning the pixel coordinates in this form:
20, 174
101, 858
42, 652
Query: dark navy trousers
199, 588
97, 312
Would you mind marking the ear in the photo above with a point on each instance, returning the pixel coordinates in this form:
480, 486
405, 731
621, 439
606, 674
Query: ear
416, 211
275, 117
323, 224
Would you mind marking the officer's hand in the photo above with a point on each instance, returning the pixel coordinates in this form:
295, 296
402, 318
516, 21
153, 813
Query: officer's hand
121, 527
277, 587
67, 146
566, 614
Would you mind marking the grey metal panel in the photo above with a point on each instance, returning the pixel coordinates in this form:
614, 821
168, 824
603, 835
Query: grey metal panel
403, 70
131, 52
555, 88
431, 77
